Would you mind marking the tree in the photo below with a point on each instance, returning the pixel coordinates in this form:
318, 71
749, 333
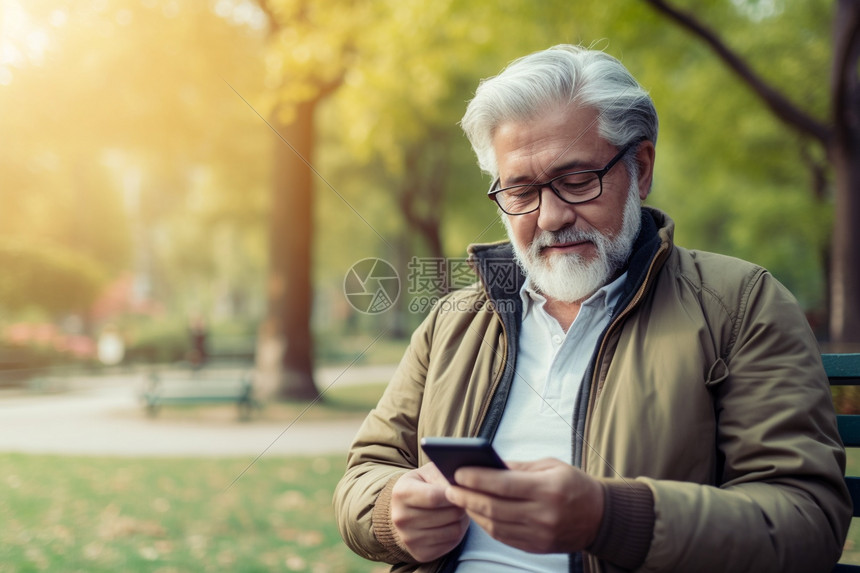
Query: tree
100, 104
311, 45
839, 135
31, 273
396, 117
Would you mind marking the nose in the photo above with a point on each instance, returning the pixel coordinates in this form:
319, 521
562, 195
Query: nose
554, 214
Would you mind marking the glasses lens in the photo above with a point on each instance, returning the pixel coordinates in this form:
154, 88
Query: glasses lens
572, 188
577, 187
520, 199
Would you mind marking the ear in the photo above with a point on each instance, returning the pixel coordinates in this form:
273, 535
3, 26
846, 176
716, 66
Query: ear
645, 161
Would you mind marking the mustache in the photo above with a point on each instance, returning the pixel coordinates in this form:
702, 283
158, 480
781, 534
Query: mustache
563, 236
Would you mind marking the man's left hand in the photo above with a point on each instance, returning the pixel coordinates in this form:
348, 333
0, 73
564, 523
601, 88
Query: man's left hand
546, 506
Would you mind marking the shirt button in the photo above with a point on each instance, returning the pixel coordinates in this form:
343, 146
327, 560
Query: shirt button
556, 339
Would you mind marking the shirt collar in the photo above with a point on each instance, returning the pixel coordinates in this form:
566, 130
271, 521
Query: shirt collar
604, 299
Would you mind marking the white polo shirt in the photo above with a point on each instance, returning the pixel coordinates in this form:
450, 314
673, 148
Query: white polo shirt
537, 421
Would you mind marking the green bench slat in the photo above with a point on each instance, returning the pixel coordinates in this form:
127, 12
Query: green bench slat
853, 484
172, 389
842, 369
201, 398
849, 429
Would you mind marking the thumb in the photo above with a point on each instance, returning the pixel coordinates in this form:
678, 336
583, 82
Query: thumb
431, 474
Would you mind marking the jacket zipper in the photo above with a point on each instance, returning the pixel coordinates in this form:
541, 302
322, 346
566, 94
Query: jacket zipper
594, 392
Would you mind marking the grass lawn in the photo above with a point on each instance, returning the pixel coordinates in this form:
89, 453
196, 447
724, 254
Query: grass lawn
93, 514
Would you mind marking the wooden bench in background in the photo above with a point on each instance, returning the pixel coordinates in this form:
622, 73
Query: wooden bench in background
844, 370
199, 387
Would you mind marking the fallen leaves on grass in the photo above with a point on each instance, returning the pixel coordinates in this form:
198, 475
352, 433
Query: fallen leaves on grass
305, 538
290, 500
114, 525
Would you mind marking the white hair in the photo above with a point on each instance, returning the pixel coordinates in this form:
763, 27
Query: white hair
561, 75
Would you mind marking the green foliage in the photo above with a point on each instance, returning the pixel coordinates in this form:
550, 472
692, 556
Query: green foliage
47, 276
168, 339
234, 339
391, 130
21, 363
731, 175
846, 399
150, 148
735, 179
158, 341
335, 347
154, 161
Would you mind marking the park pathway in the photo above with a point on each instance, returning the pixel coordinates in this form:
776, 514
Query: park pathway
102, 416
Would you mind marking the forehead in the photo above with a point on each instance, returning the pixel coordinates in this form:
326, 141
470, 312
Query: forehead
558, 136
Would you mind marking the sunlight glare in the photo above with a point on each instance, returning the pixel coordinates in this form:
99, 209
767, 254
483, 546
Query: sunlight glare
241, 12
22, 40
59, 18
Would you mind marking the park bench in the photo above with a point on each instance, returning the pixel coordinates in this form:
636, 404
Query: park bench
199, 387
844, 370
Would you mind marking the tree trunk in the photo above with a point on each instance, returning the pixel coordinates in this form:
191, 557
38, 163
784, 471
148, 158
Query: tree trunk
844, 152
285, 342
399, 326
845, 296
421, 197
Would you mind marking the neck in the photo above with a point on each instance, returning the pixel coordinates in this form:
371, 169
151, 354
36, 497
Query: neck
563, 312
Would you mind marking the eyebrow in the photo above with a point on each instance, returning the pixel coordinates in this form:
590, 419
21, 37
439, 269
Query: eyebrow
569, 167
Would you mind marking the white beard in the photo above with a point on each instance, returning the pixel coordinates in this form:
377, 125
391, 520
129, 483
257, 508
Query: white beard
567, 277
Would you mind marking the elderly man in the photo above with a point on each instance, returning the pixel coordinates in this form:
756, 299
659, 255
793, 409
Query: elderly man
659, 408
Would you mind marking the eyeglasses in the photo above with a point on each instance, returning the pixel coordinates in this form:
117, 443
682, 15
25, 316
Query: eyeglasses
573, 188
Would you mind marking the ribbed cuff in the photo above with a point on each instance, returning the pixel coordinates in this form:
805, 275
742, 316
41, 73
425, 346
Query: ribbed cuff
383, 528
625, 533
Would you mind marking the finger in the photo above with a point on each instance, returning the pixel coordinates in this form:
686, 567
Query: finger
490, 507
526, 480
417, 493
431, 474
518, 535
510, 484
429, 544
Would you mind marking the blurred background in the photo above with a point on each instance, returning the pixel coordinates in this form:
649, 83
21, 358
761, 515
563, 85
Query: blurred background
187, 186
147, 147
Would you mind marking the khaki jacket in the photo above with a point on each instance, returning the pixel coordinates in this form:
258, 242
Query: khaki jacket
706, 391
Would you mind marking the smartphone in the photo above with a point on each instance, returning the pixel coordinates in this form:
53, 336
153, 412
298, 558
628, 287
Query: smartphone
450, 454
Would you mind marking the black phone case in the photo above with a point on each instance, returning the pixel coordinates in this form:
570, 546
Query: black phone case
450, 454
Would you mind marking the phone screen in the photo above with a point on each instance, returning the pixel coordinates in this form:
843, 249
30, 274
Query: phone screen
451, 454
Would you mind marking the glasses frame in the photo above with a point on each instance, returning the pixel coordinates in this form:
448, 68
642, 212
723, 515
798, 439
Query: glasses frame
492, 194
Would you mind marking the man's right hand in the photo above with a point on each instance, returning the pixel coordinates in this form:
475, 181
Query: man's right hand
428, 525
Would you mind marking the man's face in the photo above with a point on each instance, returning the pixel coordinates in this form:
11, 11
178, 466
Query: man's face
570, 251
